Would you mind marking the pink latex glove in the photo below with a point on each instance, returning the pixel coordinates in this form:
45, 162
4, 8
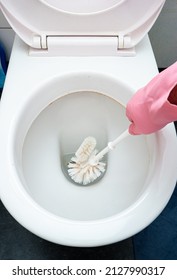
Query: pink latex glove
155, 105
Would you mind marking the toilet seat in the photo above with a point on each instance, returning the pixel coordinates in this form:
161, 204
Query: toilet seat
100, 22
55, 77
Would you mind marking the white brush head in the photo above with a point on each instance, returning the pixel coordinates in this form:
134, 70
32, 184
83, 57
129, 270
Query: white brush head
86, 149
82, 168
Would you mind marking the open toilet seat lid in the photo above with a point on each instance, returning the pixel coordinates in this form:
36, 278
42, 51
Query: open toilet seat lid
35, 20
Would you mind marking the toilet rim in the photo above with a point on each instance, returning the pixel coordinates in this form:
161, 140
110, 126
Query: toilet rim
22, 206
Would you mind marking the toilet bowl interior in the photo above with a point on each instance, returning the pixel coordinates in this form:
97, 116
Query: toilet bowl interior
58, 130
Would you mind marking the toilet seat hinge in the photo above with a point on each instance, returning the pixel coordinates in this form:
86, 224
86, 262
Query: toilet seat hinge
84, 46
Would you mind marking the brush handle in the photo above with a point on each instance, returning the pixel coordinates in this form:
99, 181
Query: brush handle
111, 145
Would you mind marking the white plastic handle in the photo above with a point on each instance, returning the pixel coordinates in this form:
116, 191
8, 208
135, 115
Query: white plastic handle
111, 146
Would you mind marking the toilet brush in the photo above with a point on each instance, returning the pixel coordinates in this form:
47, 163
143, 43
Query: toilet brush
85, 167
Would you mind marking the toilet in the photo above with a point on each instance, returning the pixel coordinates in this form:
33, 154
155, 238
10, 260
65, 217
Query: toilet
70, 77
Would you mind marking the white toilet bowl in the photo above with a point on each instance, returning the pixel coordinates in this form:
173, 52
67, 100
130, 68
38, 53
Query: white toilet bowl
44, 141
51, 121
45, 114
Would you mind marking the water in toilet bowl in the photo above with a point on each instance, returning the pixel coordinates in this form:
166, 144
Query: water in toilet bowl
57, 131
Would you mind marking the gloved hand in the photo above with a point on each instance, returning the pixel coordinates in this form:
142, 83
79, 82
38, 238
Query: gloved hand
155, 105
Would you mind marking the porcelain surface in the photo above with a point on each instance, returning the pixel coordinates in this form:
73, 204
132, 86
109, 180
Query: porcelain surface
45, 112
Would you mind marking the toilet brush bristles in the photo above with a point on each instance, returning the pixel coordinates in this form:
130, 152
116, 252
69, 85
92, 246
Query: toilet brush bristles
82, 168
85, 167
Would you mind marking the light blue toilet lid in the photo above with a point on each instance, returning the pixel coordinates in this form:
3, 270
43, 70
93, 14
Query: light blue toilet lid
34, 20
